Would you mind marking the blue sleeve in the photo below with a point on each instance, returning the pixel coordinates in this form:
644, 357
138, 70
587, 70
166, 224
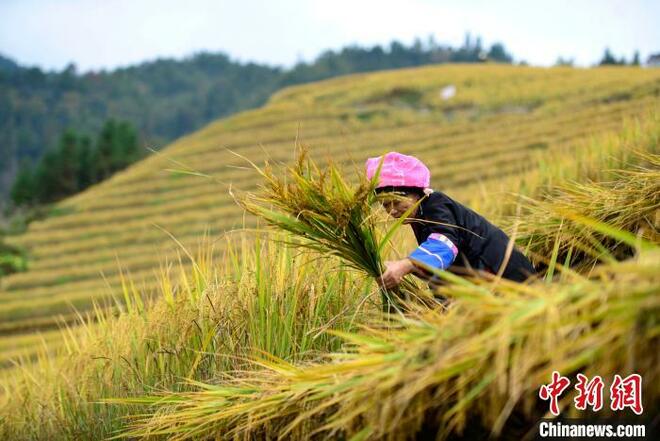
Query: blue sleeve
436, 252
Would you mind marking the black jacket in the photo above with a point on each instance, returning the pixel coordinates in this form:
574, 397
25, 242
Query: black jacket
481, 245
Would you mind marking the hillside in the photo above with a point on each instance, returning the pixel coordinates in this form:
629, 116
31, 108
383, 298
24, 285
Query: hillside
164, 99
501, 119
167, 98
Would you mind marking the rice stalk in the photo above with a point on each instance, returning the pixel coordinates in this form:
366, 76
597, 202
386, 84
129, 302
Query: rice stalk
628, 202
481, 361
329, 216
214, 317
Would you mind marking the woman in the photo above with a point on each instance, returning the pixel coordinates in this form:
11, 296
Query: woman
450, 236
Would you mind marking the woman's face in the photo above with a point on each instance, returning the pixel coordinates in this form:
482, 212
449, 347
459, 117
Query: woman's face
396, 204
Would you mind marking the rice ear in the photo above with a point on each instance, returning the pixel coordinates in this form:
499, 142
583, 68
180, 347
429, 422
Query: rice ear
329, 216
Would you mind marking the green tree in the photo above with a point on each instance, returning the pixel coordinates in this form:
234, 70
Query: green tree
76, 164
609, 59
67, 165
56, 174
128, 148
498, 53
46, 177
117, 146
22, 191
106, 151
86, 165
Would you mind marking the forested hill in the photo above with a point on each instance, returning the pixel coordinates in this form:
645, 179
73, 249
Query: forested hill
167, 98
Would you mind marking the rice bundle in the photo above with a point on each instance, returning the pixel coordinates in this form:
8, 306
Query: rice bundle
553, 225
330, 216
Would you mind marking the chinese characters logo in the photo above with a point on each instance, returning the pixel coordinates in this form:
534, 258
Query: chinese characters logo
624, 392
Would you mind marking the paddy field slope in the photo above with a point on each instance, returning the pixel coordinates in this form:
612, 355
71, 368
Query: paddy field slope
472, 124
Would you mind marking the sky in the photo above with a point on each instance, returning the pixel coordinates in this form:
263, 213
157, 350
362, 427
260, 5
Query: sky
96, 34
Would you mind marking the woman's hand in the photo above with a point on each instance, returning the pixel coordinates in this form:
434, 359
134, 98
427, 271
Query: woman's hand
394, 272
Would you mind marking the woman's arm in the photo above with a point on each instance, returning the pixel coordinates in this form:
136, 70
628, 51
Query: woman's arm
436, 252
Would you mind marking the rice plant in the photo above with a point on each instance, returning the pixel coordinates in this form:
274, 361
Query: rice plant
628, 202
466, 371
481, 361
212, 316
329, 216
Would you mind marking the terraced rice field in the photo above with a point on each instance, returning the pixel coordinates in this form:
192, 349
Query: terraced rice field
498, 123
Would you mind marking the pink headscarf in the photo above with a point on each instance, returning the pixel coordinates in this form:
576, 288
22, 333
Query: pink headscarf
399, 171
